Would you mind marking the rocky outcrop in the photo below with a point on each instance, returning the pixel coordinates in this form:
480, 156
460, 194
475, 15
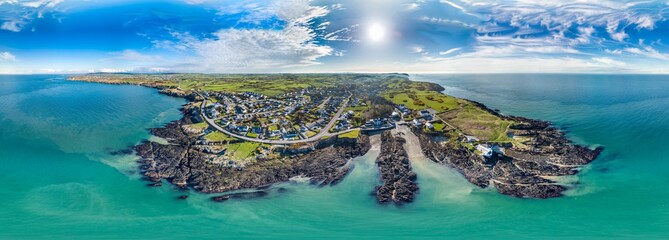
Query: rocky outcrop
525, 171
186, 166
398, 180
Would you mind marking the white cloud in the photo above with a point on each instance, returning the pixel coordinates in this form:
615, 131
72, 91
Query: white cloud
7, 56
416, 49
259, 50
110, 70
449, 51
609, 61
15, 15
42, 3
519, 65
444, 21
13, 26
255, 49
646, 22
648, 52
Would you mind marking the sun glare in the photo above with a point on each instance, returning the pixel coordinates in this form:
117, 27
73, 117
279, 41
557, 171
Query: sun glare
376, 32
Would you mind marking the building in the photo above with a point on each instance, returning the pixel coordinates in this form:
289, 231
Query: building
485, 150
470, 139
395, 115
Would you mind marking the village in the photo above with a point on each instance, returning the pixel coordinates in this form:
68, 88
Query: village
312, 114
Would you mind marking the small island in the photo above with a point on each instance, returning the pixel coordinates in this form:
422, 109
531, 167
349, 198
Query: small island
247, 132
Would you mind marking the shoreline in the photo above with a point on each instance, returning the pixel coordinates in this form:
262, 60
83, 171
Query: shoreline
505, 174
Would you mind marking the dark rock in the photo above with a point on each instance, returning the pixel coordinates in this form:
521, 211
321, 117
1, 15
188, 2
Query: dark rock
183, 197
398, 179
126, 151
222, 198
248, 195
187, 166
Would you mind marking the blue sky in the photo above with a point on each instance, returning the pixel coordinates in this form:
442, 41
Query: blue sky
415, 36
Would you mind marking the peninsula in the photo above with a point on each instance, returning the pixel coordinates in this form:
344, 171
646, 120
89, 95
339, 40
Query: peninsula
247, 132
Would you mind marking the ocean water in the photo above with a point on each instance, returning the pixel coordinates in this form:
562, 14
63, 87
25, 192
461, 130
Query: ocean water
60, 182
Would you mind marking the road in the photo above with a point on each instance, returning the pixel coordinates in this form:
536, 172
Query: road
323, 133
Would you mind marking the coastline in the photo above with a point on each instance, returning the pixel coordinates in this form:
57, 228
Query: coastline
184, 165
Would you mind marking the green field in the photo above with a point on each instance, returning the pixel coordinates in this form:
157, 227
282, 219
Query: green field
200, 126
352, 134
310, 133
268, 84
438, 126
477, 122
242, 150
252, 135
218, 137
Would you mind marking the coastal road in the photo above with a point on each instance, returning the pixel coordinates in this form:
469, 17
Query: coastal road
324, 131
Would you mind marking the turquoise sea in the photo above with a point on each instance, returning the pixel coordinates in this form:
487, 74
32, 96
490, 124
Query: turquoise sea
60, 182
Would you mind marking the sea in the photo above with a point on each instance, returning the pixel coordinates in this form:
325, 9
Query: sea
59, 180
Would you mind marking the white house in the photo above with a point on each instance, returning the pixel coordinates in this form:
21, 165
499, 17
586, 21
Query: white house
485, 150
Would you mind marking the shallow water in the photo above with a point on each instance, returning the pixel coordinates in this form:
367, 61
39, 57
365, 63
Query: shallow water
61, 183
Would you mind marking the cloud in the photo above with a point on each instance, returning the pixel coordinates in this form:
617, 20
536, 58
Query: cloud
609, 61
7, 56
257, 49
449, 51
42, 3
648, 52
13, 26
15, 15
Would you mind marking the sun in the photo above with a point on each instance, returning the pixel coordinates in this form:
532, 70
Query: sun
376, 32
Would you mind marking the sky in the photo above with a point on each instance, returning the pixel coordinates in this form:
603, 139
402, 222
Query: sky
412, 36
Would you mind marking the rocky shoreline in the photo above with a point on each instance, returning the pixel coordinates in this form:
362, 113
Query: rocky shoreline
398, 180
185, 165
520, 172
528, 171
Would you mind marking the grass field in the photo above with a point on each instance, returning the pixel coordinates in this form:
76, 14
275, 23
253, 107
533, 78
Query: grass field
242, 150
438, 126
199, 126
252, 135
477, 122
268, 84
352, 134
417, 99
310, 133
218, 137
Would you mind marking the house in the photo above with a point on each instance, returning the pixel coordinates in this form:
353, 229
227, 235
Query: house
395, 115
424, 113
290, 135
429, 125
257, 130
471, 139
417, 123
243, 129
485, 150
